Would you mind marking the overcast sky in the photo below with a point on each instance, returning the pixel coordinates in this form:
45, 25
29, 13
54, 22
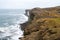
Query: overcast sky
23, 4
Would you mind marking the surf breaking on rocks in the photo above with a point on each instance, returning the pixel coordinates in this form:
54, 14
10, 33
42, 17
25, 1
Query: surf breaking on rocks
13, 32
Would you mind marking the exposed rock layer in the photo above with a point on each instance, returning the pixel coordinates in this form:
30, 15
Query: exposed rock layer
43, 24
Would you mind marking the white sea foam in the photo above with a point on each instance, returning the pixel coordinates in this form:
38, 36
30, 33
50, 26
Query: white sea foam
13, 32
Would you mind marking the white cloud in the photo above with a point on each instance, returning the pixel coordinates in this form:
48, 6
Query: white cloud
18, 4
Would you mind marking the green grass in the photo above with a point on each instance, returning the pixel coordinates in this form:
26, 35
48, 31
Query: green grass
57, 20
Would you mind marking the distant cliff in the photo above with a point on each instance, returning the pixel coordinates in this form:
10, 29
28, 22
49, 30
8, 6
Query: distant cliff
43, 24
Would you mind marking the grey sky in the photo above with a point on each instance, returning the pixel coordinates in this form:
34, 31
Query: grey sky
23, 4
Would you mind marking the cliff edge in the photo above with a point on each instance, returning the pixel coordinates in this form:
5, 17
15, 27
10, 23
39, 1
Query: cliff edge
43, 24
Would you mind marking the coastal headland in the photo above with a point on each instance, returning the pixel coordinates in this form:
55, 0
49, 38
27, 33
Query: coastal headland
42, 24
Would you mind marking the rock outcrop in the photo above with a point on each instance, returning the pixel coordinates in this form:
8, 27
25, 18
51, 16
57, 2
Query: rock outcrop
43, 24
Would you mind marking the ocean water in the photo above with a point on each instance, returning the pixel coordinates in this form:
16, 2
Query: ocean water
9, 23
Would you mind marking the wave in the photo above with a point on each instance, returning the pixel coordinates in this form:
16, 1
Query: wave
13, 32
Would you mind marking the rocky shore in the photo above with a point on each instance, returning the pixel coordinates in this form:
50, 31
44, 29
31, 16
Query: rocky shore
43, 24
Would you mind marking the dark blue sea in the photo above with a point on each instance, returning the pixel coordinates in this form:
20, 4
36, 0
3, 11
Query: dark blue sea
9, 23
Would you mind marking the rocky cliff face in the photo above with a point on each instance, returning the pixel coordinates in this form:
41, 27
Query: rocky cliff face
43, 24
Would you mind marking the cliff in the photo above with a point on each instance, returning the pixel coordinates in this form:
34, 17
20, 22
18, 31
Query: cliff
43, 24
